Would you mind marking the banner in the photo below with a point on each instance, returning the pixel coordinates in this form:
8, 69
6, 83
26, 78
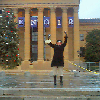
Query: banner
71, 21
21, 21
59, 22
33, 21
46, 21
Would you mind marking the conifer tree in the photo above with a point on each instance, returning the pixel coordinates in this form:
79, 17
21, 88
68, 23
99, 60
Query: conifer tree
9, 40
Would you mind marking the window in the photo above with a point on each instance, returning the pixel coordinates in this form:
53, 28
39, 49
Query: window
35, 29
81, 37
34, 44
34, 48
34, 36
0, 11
82, 49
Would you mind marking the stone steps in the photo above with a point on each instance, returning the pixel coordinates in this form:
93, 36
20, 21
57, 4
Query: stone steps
49, 98
50, 91
39, 86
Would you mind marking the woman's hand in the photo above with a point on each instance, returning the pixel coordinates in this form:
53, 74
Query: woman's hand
47, 41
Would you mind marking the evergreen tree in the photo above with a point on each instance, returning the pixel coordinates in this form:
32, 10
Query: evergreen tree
9, 40
92, 51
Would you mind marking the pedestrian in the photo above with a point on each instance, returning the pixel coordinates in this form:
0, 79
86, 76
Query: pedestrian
58, 58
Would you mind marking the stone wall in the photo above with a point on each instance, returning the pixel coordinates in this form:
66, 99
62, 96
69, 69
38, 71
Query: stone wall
67, 2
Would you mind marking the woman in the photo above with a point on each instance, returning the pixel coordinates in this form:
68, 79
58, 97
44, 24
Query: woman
58, 61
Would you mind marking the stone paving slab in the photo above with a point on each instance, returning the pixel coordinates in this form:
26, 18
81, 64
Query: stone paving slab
1, 92
12, 98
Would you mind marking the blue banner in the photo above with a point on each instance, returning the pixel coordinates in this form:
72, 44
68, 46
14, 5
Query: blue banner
71, 21
21, 21
59, 22
46, 21
33, 21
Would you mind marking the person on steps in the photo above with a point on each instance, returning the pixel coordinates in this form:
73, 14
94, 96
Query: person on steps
58, 58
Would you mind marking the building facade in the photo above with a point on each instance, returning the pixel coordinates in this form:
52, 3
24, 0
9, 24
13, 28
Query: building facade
85, 26
32, 46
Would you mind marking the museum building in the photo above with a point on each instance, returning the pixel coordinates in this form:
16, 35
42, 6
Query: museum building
38, 18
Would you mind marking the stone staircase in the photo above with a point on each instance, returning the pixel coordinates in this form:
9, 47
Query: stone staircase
38, 85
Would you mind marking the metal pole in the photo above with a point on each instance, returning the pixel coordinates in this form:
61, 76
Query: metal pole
85, 65
79, 61
89, 65
44, 44
99, 66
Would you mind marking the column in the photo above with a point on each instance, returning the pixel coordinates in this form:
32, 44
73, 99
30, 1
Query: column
76, 34
27, 35
40, 34
16, 15
52, 28
65, 28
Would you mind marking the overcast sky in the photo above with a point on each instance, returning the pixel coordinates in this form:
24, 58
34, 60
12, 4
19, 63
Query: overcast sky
89, 9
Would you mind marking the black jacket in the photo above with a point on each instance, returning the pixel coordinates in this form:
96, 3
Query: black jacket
58, 54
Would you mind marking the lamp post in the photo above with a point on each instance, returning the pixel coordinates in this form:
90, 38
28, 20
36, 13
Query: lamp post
79, 52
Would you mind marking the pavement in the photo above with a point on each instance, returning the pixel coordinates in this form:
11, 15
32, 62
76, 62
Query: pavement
38, 85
